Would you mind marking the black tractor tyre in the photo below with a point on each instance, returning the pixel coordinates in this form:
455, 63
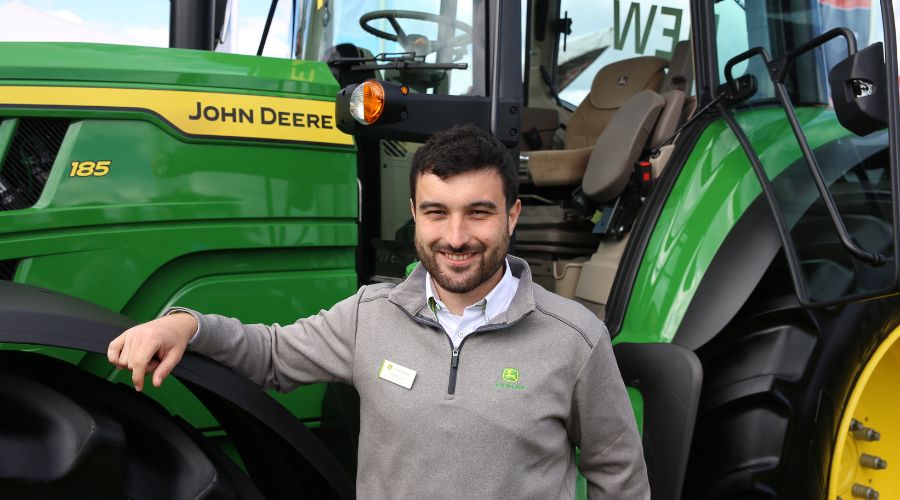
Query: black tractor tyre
775, 383
65, 433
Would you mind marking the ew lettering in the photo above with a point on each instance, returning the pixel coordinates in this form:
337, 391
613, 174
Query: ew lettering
665, 25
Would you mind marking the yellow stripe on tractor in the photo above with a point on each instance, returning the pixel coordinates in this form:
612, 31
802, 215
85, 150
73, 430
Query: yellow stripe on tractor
202, 114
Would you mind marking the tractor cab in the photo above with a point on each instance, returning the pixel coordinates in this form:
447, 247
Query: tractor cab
677, 163
717, 180
591, 114
593, 102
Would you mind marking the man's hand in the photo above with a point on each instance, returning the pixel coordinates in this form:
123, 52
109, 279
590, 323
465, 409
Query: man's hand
153, 347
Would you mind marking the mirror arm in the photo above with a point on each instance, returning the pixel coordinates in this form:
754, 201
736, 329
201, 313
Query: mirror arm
777, 70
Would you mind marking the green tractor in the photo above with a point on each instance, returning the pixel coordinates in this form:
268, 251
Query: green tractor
718, 181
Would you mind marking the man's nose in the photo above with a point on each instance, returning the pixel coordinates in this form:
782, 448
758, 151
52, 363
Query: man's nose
457, 233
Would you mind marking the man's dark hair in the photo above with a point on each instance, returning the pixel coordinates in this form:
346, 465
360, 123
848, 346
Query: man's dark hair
465, 148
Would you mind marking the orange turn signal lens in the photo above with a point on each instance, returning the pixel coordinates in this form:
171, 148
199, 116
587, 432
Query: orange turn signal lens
367, 102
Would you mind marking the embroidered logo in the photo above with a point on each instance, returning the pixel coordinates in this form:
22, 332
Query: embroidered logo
510, 377
622, 81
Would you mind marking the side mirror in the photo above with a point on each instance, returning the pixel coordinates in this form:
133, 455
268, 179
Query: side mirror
858, 90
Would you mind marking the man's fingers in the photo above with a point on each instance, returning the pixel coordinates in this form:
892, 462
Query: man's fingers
141, 355
125, 356
166, 366
115, 349
137, 376
153, 347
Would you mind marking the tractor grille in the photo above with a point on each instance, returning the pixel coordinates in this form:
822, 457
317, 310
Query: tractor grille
8, 269
28, 161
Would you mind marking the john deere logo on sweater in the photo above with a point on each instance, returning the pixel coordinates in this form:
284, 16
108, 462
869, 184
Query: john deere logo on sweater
510, 378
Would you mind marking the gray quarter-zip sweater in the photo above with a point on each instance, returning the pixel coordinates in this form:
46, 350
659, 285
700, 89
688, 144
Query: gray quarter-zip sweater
499, 417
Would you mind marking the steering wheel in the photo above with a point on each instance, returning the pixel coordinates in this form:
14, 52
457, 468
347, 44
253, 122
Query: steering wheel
419, 44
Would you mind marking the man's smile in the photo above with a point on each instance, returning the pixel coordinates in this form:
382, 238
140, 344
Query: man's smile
458, 259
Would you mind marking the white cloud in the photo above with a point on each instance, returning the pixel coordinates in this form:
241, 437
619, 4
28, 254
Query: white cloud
250, 27
148, 35
33, 20
67, 15
250, 31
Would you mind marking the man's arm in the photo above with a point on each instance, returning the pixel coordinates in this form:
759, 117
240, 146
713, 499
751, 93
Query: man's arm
602, 424
319, 348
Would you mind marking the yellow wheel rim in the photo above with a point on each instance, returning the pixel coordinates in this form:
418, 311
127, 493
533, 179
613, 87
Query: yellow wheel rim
873, 404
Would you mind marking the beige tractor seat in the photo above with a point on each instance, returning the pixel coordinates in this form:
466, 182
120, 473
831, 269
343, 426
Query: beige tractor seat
566, 167
645, 121
604, 168
612, 87
558, 167
607, 169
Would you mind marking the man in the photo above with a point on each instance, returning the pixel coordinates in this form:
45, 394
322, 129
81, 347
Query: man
474, 382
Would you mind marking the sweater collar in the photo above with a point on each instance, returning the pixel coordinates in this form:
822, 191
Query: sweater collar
410, 294
492, 304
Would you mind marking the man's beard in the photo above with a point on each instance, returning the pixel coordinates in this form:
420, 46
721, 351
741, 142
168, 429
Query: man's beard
487, 263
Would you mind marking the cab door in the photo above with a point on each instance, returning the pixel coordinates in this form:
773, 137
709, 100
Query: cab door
821, 132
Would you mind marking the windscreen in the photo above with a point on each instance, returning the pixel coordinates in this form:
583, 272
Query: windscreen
428, 30
606, 31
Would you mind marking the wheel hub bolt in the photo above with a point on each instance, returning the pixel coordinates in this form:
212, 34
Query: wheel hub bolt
872, 462
860, 491
862, 432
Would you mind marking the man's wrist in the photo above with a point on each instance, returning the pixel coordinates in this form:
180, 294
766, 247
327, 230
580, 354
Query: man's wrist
187, 312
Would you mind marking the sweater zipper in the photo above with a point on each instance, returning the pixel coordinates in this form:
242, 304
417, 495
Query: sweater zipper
454, 353
454, 367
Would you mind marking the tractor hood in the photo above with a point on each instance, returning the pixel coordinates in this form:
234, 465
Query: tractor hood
127, 66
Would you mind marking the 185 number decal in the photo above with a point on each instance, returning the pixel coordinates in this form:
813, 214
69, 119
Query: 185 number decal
90, 168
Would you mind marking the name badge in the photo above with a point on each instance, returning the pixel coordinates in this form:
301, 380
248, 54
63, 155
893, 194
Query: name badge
400, 375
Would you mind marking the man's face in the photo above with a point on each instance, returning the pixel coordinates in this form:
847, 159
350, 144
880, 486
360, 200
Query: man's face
462, 227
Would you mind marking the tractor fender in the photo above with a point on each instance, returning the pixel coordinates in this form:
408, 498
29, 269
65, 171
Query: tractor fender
669, 378
39, 316
731, 277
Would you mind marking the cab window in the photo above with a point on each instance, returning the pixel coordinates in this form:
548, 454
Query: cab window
856, 169
607, 31
431, 30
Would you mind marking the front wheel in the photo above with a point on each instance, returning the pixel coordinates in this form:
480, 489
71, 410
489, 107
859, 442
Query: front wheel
65, 433
782, 388
868, 440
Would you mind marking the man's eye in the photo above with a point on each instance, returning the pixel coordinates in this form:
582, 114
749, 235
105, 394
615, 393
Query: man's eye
480, 213
434, 212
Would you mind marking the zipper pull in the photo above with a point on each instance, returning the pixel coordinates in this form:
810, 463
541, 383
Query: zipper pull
454, 367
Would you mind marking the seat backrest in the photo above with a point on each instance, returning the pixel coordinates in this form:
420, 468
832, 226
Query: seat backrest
612, 86
676, 86
681, 69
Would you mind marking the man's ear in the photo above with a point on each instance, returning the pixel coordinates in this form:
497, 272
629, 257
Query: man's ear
412, 208
514, 215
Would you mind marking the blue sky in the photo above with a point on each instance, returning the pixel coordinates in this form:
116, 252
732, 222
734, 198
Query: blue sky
141, 22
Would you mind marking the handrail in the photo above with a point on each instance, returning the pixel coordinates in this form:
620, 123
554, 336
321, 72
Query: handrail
777, 69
